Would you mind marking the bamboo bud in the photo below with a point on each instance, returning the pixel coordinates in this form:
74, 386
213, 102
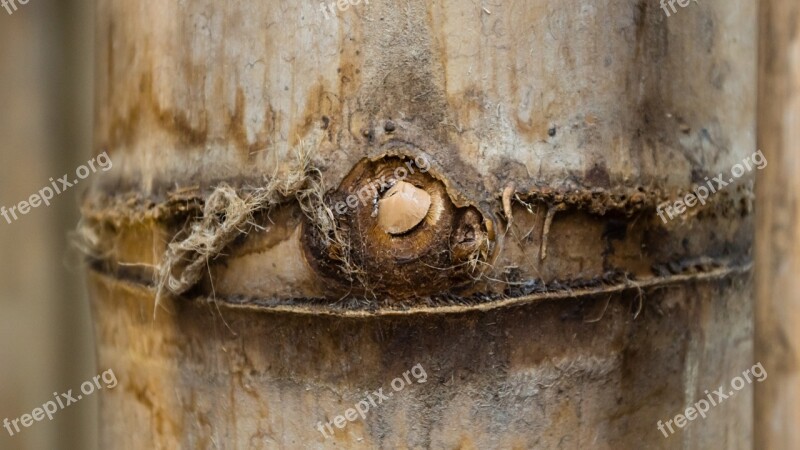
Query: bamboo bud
402, 208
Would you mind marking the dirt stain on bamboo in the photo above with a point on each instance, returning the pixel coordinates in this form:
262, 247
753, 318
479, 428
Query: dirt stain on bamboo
126, 128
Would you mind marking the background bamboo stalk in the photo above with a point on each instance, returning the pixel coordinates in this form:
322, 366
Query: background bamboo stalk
46, 56
777, 312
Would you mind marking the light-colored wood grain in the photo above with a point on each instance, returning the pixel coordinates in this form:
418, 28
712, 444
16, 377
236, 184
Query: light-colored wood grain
777, 312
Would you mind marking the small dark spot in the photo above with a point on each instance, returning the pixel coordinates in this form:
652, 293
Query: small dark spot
367, 133
389, 126
697, 175
598, 176
325, 122
552, 131
615, 229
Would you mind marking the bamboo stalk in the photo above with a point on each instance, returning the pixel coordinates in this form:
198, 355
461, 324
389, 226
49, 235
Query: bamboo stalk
777, 312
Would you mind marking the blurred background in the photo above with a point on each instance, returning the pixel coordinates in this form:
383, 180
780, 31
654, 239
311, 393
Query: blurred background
46, 60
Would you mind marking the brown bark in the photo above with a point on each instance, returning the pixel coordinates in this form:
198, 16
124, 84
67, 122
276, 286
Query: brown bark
548, 303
